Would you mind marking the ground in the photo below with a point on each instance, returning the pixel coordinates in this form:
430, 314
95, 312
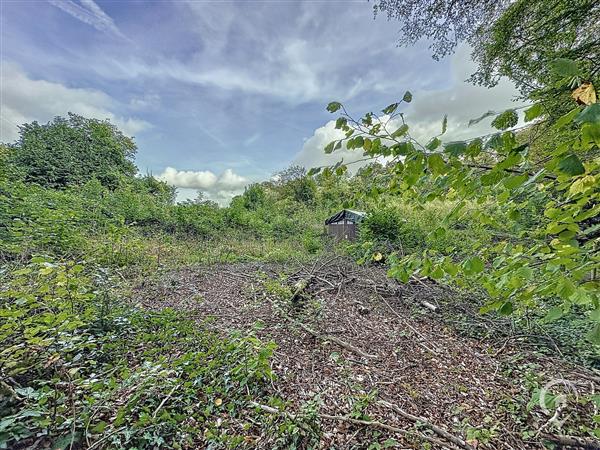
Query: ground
349, 339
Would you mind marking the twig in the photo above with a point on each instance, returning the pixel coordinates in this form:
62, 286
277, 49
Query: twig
574, 441
368, 423
165, 400
339, 342
413, 329
421, 420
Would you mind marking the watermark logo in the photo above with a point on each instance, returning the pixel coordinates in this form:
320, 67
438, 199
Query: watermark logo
555, 395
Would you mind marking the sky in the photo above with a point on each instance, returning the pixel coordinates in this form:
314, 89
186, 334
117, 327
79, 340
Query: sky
220, 94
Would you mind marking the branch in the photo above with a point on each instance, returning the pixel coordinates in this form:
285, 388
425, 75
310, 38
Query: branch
437, 430
367, 423
338, 341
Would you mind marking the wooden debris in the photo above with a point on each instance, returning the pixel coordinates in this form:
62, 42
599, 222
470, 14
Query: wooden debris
421, 420
325, 337
367, 423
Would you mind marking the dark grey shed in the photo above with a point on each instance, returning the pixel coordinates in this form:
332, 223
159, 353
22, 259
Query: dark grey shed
344, 224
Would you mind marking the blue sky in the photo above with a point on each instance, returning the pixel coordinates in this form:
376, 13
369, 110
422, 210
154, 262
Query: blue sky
222, 93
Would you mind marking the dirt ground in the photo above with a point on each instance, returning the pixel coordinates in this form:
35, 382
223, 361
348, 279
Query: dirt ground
400, 349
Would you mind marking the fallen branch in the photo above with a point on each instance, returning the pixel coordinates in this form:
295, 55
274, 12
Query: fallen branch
326, 337
421, 420
574, 441
367, 423
164, 400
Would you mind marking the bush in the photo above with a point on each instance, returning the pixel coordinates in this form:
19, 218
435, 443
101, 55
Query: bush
81, 368
387, 230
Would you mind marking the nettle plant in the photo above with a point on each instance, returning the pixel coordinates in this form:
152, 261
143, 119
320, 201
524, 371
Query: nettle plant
547, 262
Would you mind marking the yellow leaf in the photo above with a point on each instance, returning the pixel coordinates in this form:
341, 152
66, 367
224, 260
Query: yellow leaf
582, 185
219, 401
377, 256
585, 94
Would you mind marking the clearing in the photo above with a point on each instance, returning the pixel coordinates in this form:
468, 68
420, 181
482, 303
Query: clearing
378, 362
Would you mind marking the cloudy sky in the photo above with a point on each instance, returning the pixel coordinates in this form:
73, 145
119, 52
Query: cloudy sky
219, 94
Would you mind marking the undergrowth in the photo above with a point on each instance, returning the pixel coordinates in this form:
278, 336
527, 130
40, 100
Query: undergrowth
81, 368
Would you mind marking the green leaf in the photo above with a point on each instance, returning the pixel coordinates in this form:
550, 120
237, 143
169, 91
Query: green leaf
594, 334
591, 133
313, 171
436, 164
444, 124
433, 144
553, 314
473, 265
591, 114
506, 309
340, 122
534, 112
390, 108
400, 131
567, 118
565, 67
571, 165
480, 118
329, 147
514, 181
455, 148
507, 119
334, 106
474, 148
407, 97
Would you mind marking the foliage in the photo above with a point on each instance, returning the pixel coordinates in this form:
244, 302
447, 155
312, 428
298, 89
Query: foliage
553, 256
73, 150
78, 366
516, 39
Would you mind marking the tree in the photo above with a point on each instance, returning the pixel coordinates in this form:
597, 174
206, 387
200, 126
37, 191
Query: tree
73, 150
517, 39
547, 266
293, 172
294, 183
254, 196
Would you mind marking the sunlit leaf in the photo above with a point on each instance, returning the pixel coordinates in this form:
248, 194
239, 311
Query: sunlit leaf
534, 112
585, 94
334, 106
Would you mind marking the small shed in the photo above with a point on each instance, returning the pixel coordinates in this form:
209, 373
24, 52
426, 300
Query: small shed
344, 224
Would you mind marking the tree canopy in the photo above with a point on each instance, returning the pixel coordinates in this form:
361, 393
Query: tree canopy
516, 39
73, 150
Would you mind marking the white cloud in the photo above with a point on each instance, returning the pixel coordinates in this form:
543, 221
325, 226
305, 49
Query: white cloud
312, 154
189, 179
145, 102
220, 188
90, 13
24, 100
242, 48
461, 102
230, 180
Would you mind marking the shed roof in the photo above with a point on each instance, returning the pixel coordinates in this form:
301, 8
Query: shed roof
349, 214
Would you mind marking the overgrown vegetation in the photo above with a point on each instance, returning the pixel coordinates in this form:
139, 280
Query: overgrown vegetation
509, 219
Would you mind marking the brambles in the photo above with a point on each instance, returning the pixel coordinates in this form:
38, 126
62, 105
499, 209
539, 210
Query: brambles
78, 372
